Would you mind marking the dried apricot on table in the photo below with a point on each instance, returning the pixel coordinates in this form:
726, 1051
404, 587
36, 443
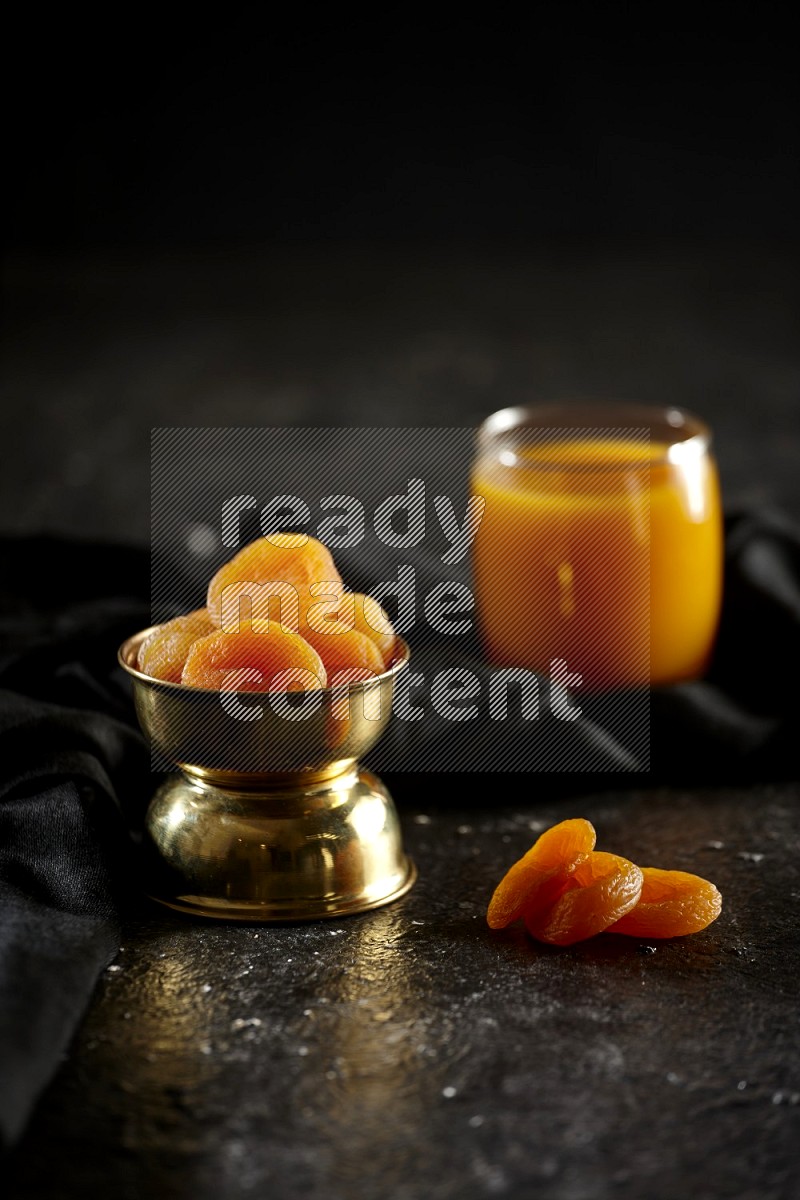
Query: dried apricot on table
601, 890
253, 583
672, 903
275, 661
541, 874
163, 653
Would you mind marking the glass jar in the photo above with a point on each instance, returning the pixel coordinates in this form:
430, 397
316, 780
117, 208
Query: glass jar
600, 544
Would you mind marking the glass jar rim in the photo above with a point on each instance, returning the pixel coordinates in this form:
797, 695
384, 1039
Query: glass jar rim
679, 428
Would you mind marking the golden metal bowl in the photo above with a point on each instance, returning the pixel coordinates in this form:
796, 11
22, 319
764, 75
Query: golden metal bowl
270, 817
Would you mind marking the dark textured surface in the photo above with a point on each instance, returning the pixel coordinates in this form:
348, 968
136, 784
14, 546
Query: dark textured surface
413, 1053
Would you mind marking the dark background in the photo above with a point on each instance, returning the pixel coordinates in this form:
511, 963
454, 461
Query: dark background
391, 220
343, 127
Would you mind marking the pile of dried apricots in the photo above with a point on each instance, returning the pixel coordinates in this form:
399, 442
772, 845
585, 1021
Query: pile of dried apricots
288, 586
566, 891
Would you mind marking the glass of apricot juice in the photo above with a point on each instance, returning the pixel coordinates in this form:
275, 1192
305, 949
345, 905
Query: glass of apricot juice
600, 544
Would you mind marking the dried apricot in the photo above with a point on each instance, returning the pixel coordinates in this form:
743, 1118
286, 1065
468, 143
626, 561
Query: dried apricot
364, 614
259, 575
672, 903
601, 890
212, 660
163, 653
342, 649
539, 877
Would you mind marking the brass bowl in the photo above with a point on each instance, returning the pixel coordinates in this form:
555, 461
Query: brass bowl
269, 816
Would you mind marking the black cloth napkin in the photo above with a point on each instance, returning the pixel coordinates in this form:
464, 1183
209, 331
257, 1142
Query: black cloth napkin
75, 773
72, 765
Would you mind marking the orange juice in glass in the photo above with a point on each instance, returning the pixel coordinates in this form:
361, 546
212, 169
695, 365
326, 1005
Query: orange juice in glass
600, 543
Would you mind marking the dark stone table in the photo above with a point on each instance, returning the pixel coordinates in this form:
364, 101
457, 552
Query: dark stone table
412, 1053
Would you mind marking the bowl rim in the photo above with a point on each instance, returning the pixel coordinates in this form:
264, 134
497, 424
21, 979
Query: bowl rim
135, 639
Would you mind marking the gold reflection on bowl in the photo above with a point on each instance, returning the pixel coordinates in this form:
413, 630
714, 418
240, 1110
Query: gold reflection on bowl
270, 817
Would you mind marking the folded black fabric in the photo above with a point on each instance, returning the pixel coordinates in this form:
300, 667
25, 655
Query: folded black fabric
70, 762
75, 773
743, 721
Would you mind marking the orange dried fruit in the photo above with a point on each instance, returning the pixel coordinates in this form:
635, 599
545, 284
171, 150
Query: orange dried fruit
283, 660
364, 614
672, 903
540, 876
163, 653
253, 583
601, 890
342, 649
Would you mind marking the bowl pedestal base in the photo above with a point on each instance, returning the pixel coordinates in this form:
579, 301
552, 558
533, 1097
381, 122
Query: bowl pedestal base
288, 852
